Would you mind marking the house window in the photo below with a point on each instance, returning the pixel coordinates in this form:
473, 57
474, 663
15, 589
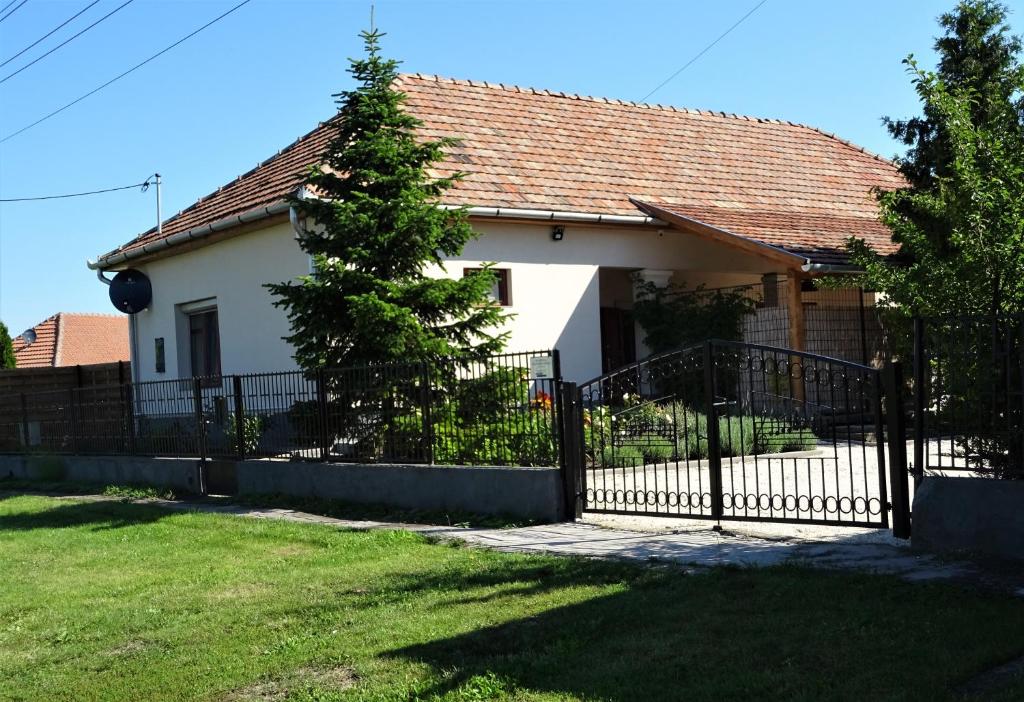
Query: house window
204, 343
502, 290
158, 351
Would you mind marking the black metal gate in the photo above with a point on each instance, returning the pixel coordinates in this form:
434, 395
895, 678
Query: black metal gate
729, 430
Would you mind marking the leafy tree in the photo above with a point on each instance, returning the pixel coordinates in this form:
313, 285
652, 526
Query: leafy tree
960, 223
376, 231
960, 229
6, 348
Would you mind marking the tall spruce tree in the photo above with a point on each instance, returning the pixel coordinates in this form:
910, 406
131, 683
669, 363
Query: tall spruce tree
6, 348
374, 232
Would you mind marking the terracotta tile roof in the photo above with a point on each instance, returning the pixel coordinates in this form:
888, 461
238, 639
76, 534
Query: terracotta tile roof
792, 185
71, 339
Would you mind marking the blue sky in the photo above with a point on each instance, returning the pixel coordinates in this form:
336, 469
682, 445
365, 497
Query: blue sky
236, 93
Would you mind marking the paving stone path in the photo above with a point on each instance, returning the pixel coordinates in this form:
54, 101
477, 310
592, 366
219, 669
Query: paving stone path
694, 547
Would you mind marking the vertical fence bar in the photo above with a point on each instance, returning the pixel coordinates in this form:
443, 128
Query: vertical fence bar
197, 403
24, 421
920, 366
557, 410
714, 449
897, 431
321, 406
428, 418
72, 418
128, 414
571, 449
236, 382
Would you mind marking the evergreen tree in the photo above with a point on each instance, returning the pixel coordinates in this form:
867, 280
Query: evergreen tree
375, 230
6, 348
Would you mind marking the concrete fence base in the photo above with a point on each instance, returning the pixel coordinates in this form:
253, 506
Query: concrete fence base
179, 473
980, 516
531, 493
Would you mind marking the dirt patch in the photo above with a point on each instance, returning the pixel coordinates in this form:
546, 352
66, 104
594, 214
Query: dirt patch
128, 648
337, 678
291, 550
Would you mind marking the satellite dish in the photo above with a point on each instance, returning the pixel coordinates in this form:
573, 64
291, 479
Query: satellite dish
131, 291
28, 336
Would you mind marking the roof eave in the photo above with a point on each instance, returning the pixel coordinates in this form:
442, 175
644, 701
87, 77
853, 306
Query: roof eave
116, 259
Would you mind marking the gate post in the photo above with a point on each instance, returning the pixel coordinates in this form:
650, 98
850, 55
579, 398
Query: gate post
572, 450
197, 409
897, 439
714, 449
236, 388
919, 400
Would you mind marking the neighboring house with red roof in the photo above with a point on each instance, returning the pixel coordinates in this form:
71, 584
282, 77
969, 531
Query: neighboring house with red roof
572, 196
73, 339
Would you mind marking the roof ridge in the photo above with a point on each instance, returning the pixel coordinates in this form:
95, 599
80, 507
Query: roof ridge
616, 101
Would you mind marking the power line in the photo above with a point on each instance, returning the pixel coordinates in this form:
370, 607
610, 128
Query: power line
47, 35
703, 51
18, 7
142, 185
4, 8
119, 77
66, 41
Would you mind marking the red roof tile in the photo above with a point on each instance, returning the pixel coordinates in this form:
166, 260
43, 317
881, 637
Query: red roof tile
71, 339
790, 185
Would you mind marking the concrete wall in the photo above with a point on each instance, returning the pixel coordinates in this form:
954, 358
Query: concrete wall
555, 288
531, 493
179, 473
534, 493
981, 516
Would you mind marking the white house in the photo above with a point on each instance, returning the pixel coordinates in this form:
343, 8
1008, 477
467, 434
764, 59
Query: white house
572, 196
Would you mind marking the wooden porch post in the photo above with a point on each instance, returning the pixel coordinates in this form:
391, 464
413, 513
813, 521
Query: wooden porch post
797, 327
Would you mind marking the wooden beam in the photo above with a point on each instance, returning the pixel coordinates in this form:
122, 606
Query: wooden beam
797, 328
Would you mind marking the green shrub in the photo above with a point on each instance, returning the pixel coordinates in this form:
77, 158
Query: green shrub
618, 456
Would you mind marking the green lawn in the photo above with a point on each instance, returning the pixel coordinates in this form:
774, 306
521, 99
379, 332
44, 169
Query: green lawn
115, 601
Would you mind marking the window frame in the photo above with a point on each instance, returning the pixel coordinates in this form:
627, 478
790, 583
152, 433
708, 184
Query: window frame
504, 283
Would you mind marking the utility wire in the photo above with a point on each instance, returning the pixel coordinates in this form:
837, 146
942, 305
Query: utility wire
4, 8
66, 41
703, 51
122, 75
143, 185
47, 35
17, 7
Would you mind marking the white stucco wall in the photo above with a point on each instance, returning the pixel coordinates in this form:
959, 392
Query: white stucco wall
233, 273
556, 297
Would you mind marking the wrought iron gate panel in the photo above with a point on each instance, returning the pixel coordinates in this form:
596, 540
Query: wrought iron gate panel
737, 431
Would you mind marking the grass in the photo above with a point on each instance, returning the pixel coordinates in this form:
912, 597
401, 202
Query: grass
120, 601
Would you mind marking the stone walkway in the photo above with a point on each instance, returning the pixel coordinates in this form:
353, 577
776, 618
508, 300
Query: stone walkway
695, 547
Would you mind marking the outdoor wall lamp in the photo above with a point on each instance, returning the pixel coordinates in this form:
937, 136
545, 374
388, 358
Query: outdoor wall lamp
557, 233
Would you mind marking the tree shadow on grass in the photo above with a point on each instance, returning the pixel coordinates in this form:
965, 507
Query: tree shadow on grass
100, 515
778, 634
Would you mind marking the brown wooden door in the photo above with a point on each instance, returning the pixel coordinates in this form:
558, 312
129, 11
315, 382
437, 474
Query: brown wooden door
618, 338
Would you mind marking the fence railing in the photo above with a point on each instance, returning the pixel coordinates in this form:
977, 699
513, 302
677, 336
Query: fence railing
968, 379
500, 410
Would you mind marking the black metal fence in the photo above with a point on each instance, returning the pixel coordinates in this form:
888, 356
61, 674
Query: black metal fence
500, 410
968, 380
